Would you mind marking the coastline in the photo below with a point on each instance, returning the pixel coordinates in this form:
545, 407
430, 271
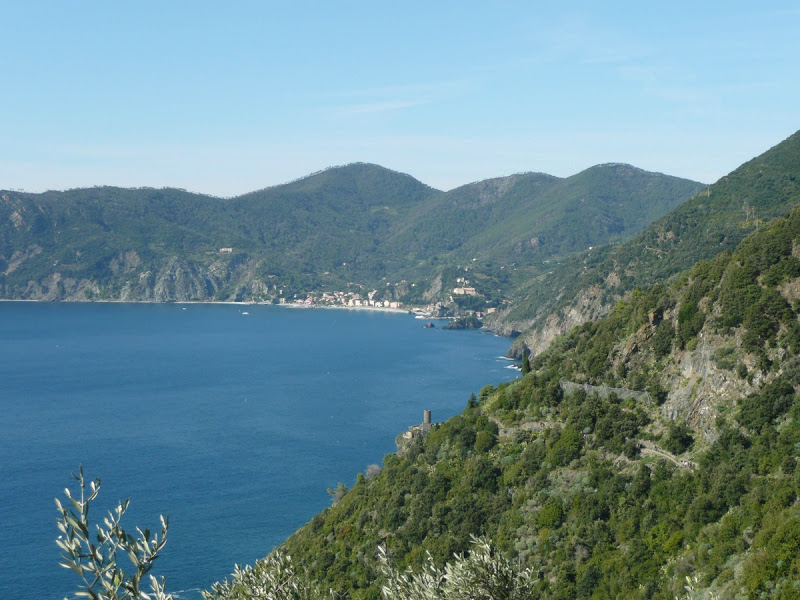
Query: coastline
405, 311
408, 311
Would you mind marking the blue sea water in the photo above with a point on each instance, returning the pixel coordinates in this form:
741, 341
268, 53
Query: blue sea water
233, 424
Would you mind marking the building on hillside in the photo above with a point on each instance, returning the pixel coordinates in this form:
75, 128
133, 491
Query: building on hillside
415, 432
465, 291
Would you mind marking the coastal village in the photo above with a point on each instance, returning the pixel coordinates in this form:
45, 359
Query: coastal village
344, 300
447, 305
350, 299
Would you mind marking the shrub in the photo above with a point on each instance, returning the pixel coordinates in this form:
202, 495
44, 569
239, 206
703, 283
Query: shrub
678, 438
98, 564
484, 441
481, 574
662, 339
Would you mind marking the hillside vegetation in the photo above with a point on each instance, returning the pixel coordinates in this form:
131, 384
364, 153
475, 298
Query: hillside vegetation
360, 224
531, 217
587, 285
690, 489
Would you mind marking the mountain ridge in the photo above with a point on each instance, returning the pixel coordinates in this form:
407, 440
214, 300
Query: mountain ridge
586, 285
359, 223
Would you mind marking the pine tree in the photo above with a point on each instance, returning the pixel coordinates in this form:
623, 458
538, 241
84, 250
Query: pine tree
526, 364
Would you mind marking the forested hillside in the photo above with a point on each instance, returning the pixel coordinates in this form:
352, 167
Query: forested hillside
587, 285
686, 490
164, 245
531, 217
361, 224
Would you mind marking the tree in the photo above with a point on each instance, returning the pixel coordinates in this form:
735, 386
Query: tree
483, 574
337, 493
678, 438
526, 363
98, 565
272, 578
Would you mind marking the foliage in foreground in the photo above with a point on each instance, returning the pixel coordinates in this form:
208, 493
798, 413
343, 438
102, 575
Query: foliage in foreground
98, 564
482, 574
272, 578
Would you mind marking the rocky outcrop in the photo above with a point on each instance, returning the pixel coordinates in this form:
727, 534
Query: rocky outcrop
471, 322
699, 386
19, 257
538, 333
129, 279
435, 290
603, 391
181, 280
58, 287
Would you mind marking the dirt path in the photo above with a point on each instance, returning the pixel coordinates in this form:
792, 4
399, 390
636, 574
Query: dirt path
649, 448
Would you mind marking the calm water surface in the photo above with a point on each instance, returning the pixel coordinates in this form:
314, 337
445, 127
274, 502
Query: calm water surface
233, 424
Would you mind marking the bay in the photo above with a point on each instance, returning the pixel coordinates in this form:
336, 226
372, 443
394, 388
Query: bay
233, 424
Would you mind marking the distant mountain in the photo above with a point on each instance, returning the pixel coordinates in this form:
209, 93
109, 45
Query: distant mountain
530, 217
164, 244
359, 224
587, 285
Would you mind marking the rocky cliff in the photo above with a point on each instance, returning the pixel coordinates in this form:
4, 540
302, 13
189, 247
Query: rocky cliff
172, 279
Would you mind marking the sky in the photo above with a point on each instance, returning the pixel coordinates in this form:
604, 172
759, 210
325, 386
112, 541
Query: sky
228, 97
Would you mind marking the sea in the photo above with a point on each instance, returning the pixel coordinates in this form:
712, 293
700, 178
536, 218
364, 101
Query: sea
234, 420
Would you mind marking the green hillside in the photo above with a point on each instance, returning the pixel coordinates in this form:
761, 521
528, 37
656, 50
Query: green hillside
532, 217
585, 286
360, 224
295, 232
651, 454
336, 216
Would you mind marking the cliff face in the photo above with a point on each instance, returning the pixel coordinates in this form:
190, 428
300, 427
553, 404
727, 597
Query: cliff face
590, 304
129, 279
698, 387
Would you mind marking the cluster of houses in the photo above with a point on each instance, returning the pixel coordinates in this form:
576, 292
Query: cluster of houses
344, 299
353, 299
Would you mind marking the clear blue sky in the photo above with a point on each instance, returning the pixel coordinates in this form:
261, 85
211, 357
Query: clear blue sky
227, 97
